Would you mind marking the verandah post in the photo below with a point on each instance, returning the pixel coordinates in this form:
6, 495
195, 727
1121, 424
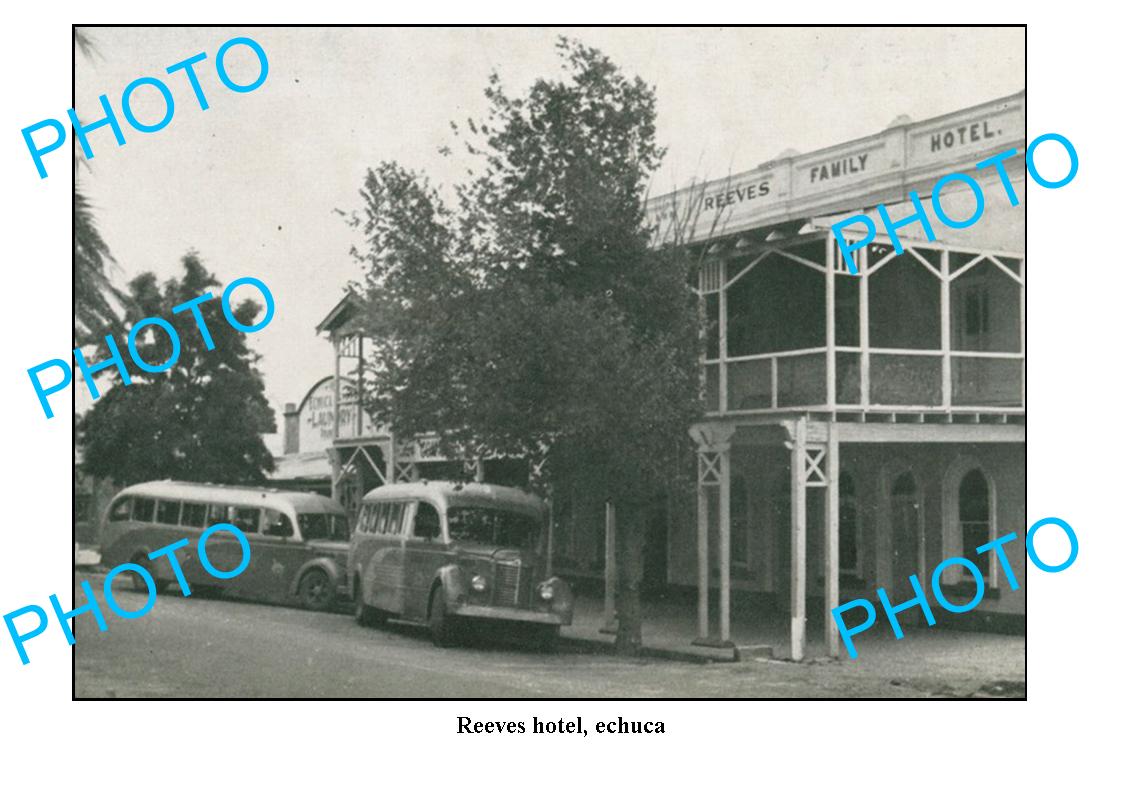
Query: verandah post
830, 526
703, 554
609, 625
799, 540
724, 529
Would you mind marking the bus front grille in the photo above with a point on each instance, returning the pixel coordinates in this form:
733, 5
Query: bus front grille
507, 584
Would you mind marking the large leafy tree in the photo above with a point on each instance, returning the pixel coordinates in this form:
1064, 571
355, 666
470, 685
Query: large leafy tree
535, 318
201, 420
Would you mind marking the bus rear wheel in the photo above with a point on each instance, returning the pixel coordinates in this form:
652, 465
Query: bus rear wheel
316, 591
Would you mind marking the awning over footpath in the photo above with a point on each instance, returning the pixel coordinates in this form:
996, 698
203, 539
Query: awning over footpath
314, 466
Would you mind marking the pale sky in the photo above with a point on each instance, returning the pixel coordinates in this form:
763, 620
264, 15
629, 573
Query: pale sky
252, 182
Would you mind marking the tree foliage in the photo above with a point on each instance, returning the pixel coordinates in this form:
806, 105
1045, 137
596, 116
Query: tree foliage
94, 294
95, 297
534, 318
201, 420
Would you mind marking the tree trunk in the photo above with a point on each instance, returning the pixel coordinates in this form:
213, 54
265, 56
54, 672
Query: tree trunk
629, 571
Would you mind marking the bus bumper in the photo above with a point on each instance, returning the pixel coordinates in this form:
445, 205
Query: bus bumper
508, 614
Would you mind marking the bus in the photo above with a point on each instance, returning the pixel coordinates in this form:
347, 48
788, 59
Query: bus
449, 554
298, 540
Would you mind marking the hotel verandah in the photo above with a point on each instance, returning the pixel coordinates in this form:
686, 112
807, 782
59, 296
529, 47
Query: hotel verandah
859, 429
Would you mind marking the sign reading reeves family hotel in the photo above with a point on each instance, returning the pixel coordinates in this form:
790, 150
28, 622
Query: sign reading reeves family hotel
854, 174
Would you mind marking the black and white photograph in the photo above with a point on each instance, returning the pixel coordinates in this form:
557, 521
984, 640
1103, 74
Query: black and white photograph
447, 398
529, 362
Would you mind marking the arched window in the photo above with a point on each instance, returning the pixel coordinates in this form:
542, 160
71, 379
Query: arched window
849, 553
904, 486
974, 517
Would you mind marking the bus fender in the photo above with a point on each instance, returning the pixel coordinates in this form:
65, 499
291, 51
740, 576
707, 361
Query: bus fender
143, 551
454, 584
328, 565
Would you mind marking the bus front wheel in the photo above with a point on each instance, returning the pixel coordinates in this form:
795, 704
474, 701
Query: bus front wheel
316, 591
136, 580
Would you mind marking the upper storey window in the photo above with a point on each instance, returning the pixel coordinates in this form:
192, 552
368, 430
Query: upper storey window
779, 303
904, 301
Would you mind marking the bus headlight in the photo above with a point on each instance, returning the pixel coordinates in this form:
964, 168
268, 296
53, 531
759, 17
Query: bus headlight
479, 583
546, 591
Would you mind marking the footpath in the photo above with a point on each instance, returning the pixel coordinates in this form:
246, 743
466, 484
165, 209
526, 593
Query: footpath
942, 662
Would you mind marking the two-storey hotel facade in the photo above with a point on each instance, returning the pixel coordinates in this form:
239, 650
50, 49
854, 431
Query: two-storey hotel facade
858, 429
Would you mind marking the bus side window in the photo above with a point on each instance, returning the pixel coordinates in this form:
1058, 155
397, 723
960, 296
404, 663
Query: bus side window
246, 519
167, 512
194, 515
144, 509
366, 521
361, 521
277, 524
394, 519
217, 513
120, 510
428, 522
380, 518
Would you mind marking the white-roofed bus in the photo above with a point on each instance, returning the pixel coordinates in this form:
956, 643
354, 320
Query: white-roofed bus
298, 540
449, 554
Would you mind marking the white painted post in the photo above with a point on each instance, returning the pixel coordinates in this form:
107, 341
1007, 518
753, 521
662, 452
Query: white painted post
703, 556
864, 322
831, 365
335, 388
723, 366
609, 625
775, 382
550, 535
831, 527
799, 541
336, 473
945, 329
359, 395
724, 529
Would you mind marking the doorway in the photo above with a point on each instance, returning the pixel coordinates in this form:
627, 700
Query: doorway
904, 504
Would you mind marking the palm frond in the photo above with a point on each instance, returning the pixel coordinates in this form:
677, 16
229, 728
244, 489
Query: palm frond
94, 293
86, 44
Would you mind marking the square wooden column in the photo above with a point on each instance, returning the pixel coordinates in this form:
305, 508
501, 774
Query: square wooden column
609, 624
336, 473
799, 539
830, 526
390, 456
713, 440
724, 531
703, 554
336, 394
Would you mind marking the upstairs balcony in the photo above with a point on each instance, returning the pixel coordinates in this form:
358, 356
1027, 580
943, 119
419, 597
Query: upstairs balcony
932, 331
